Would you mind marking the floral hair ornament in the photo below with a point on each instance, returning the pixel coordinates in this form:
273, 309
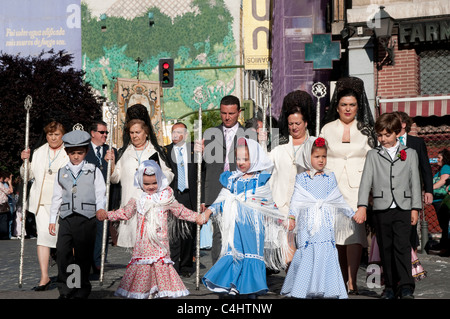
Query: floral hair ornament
241, 142
402, 155
319, 142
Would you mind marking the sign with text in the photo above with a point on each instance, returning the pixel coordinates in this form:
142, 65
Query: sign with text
437, 30
256, 19
29, 27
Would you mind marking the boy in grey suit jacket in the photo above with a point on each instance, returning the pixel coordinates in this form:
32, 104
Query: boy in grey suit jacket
391, 175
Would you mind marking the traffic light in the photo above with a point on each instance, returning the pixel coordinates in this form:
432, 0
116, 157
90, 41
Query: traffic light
166, 72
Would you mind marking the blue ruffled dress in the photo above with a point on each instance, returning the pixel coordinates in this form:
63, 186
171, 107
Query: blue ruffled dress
245, 272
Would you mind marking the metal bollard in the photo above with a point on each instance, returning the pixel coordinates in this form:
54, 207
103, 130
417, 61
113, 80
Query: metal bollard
424, 231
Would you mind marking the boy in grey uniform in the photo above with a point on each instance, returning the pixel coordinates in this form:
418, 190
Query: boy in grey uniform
391, 174
78, 193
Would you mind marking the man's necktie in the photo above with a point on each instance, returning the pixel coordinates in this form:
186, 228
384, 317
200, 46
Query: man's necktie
181, 174
228, 139
402, 140
99, 156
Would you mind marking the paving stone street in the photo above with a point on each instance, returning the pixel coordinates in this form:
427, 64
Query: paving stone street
435, 286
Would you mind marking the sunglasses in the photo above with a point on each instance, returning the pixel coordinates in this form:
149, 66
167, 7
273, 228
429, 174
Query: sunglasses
103, 132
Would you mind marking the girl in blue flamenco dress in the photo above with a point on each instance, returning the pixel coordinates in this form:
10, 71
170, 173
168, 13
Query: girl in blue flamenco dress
254, 232
315, 271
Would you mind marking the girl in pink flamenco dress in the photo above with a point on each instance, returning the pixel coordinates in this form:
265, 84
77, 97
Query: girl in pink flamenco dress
150, 273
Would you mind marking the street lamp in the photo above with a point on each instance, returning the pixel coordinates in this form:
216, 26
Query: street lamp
383, 24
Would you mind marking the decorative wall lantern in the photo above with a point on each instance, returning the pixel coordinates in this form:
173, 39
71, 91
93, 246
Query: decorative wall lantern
383, 24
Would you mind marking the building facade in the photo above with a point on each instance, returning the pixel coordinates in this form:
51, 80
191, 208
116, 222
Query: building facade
410, 72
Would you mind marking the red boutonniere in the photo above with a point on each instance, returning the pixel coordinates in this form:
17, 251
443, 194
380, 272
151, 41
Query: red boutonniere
402, 155
319, 142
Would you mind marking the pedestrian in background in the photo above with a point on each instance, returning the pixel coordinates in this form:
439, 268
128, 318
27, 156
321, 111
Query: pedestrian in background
181, 158
6, 190
96, 155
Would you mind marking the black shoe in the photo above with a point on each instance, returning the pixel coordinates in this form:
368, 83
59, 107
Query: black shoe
406, 293
43, 287
436, 252
95, 270
388, 293
353, 292
63, 297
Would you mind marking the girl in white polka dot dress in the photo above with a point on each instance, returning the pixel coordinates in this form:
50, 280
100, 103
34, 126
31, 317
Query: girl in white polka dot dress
314, 271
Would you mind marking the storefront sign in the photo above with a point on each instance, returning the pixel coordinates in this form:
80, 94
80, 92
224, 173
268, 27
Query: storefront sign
430, 31
256, 34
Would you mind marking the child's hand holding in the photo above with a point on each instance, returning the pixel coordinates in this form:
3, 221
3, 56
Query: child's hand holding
291, 220
360, 215
102, 215
203, 218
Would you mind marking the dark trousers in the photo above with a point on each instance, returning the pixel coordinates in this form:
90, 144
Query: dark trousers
443, 216
75, 247
182, 248
393, 228
216, 247
4, 225
30, 225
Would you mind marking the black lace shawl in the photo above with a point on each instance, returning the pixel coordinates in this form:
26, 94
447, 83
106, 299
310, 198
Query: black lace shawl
364, 117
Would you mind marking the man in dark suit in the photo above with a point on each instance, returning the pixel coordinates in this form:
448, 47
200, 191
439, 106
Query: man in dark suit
218, 155
181, 158
426, 174
95, 155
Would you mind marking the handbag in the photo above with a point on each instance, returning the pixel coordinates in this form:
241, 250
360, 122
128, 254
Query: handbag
440, 192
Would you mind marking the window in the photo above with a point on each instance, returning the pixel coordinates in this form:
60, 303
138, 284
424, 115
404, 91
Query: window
434, 71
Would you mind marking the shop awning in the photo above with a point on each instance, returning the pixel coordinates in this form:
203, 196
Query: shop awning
417, 106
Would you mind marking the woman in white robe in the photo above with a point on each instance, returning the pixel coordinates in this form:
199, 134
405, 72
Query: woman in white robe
296, 123
43, 169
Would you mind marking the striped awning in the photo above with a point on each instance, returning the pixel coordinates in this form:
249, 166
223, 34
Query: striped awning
417, 106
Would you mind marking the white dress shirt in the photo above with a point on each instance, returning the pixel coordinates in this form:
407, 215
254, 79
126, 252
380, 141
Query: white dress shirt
392, 151
100, 191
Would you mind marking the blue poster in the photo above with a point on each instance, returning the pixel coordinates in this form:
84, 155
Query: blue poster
28, 27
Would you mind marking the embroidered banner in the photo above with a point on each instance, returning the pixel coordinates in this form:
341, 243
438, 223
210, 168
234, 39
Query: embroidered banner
147, 93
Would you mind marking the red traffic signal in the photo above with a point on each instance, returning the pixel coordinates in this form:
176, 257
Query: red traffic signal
166, 72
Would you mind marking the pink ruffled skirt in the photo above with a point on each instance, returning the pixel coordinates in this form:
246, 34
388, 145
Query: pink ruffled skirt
151, 280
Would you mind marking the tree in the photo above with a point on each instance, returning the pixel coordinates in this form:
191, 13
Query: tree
58, 93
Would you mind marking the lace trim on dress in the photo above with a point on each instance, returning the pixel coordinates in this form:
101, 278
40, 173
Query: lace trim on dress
153, 293
240, 255
149, 260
